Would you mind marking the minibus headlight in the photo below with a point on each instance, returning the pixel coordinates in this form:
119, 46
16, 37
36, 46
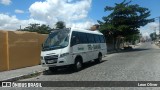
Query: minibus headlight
64, 54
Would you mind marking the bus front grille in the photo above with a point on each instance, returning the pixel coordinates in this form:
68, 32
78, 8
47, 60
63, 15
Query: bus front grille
51, 59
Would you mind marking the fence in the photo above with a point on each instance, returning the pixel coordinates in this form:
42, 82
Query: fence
19, 49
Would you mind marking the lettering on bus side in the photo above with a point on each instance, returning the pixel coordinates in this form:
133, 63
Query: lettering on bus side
80, 48
97, 46
90, 47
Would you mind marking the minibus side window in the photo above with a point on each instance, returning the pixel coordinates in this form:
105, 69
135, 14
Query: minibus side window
90, 38
97, 39
102, 39
82, 37
75, 39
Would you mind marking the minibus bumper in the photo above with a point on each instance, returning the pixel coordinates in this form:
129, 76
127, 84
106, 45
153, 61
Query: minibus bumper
60, 62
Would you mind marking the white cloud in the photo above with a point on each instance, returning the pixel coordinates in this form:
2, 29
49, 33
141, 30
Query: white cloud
153, 25
12, 23
52, 11
19, 11
146, 34
49, 12
5, 2
7, 21
85, 25
150, 28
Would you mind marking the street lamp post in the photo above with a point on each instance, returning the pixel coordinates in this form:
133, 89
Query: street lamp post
154, 35
159, 29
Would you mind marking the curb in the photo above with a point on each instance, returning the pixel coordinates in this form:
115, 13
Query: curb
33, 74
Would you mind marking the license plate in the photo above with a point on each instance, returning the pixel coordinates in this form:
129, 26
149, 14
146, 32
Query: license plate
50, 61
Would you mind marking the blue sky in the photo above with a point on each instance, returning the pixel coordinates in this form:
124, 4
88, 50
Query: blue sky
48, 12
17, 4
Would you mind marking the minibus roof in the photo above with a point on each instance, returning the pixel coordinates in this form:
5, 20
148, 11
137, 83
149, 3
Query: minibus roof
86, 31
80, 30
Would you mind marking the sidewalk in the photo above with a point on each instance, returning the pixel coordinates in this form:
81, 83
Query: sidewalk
121, 50
13, 75
156, 46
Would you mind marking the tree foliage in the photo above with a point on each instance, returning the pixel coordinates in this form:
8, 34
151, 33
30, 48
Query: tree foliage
60, 25
132, 38
124, 19
42, 29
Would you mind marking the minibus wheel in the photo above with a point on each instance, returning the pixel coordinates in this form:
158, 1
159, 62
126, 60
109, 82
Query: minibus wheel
78, 64
99, 59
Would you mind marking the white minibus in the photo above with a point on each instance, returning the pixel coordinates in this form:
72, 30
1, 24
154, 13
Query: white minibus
72, 47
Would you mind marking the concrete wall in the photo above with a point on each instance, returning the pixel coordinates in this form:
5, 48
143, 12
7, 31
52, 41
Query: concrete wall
23, 49
42, 38
19, 49
3, 51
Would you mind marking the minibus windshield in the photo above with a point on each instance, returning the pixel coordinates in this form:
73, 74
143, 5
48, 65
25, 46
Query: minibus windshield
56, 40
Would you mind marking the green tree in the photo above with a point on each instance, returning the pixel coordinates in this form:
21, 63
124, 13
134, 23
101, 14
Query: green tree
124, 20
31, 27
60, 25
132, 38
42, 29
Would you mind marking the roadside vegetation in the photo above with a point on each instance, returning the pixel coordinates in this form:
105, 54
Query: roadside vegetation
43, 29
122, 24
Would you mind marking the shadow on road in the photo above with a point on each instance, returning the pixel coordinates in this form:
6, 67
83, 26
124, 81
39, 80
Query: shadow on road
139, 49
134, 50
69, 70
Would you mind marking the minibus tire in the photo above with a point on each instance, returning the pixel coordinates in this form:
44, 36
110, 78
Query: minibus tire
77, 65
99, 59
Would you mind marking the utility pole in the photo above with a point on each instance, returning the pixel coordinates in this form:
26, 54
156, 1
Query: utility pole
155, 35
159, 27
20, 27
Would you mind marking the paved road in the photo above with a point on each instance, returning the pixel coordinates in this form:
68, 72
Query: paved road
141, 64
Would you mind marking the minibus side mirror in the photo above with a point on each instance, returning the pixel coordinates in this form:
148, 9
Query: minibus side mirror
72, 41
